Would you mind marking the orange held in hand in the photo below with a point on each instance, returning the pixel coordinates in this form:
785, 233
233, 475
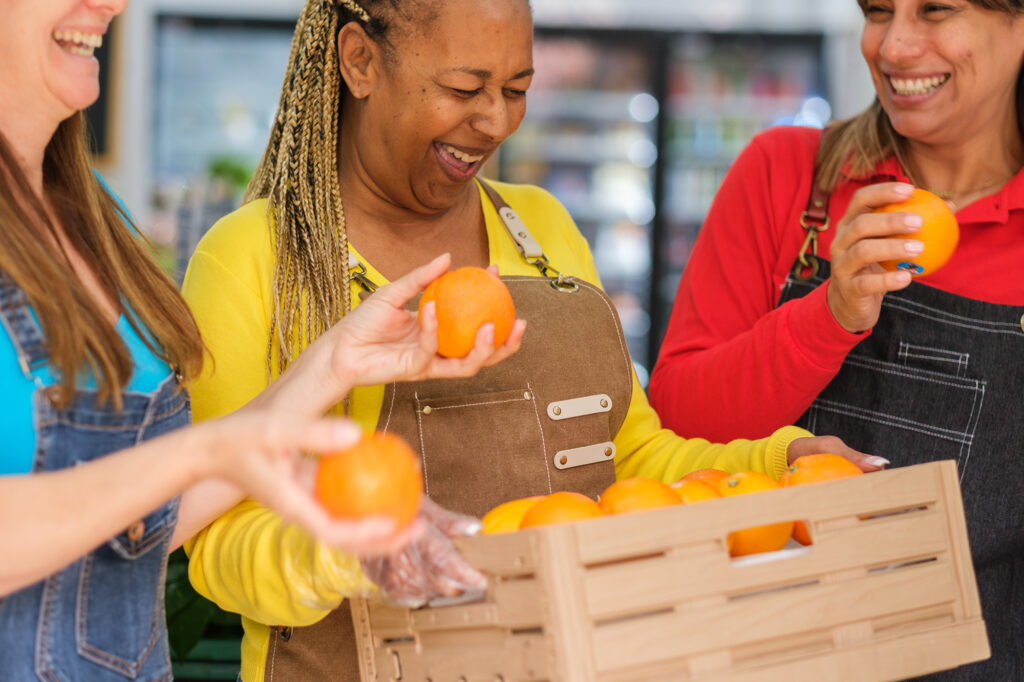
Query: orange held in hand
506, 517
466, 299
767, 538
561, 507
636, 494
378, 476
813, 469
940, 232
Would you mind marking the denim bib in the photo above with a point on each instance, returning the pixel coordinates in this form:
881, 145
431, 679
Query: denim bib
101, 619
941, 377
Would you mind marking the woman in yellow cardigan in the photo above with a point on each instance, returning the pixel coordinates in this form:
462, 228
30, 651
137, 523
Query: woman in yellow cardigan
388, 111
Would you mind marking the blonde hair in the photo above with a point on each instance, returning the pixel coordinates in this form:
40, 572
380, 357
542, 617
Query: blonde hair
863, 141
78, 336
298, 175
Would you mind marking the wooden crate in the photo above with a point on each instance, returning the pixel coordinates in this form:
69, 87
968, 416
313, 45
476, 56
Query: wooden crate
886, 592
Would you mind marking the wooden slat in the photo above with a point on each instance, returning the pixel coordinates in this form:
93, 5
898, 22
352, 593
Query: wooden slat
651, 582
776, 614
957, 529
523, 658
621, 536
503, 554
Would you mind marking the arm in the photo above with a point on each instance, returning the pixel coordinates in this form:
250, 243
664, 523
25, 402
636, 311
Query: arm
728, 349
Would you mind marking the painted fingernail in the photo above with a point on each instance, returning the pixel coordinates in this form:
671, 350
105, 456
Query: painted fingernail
913, 247
877, 461
912, 220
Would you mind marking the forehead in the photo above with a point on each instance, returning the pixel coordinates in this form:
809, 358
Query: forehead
466, 27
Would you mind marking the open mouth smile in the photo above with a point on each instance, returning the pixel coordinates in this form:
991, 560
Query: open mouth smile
908, 87
78, 43
457, 163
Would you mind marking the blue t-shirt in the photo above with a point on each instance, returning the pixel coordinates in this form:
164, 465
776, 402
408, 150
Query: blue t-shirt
17, 428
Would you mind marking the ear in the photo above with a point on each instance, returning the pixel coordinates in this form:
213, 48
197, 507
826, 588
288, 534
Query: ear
358, 58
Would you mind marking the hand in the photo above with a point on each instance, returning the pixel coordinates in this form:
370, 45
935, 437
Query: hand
858, 280
380, 341
819, 444
259, 452
429, 566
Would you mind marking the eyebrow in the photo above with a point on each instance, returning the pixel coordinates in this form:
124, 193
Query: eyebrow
484, 74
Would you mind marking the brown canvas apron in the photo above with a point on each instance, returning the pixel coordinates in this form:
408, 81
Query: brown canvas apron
541, 421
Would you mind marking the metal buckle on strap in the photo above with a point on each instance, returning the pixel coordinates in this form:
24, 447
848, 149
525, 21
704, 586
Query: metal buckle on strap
559, 282
357, 273
809, 260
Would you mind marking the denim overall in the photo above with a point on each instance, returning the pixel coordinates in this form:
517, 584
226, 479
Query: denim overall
942, 377
101, 619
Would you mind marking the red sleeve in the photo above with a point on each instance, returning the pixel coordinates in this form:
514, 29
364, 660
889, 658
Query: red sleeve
732, 364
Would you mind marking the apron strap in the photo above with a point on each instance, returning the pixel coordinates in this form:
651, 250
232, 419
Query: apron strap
22, 328
813, 220
528, 247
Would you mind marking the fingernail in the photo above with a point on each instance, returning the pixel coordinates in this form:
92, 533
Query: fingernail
903, 277
912, 220
877, 461
913, 247
345, 431
904, 189
474, 528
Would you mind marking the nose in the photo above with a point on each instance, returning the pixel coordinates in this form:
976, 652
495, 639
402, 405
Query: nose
493, 118
111, 8
902, 40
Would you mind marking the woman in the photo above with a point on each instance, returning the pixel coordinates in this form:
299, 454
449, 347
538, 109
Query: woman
389, 110
96, 345
913, 370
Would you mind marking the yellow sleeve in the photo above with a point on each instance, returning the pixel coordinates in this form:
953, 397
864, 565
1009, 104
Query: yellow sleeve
250, 561
644, 448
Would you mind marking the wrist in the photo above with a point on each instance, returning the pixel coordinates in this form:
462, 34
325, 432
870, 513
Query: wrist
198, 452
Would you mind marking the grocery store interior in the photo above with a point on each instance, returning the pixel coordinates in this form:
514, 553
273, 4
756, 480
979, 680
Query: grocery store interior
635, 113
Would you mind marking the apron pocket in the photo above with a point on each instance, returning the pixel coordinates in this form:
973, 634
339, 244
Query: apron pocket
928, 415
491, 443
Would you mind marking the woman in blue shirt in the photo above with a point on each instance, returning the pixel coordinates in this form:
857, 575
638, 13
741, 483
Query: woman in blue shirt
95, 349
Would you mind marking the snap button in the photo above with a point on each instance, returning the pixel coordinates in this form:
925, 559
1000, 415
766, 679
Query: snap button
557, 410
604, 403
136, 531
427, 409
564, 460
607, 452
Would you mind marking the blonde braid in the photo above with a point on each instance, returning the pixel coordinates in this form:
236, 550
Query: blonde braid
298, 175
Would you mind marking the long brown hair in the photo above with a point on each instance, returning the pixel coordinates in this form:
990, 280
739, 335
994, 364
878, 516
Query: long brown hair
77, 334
866, 139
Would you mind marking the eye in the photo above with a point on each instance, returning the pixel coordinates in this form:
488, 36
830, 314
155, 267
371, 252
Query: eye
932, 9
465, 93
877, 11
512, 93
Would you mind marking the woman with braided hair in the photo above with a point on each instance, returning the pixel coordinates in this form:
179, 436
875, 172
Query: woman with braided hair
389, 108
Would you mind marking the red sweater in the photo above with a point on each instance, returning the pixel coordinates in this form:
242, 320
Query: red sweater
733, 365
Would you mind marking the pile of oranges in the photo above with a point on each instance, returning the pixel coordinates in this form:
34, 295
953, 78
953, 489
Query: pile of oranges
640, 494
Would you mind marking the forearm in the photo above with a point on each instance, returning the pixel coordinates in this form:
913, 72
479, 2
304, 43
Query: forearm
757, 381
49, 520
308, 386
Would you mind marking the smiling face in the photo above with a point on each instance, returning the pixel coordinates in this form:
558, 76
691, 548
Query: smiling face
452, 89
943, 70
47, 48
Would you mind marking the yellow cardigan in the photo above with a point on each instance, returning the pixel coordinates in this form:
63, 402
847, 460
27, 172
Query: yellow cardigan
250, 562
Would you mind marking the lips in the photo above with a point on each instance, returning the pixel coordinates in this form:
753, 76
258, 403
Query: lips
457, 163
914, 86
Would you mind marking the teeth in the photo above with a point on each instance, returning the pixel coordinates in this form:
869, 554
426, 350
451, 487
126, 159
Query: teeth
461, 156
79, 40
917, 86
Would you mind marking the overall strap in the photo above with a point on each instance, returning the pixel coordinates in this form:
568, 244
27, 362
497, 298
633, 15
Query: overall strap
813, 220
22, 328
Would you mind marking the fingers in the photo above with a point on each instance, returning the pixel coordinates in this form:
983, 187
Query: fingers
291, 432
452, 524
403, 289
511, 346
819, 444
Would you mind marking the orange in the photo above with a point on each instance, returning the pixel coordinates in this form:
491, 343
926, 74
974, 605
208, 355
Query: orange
694, 490
561, 507
812, 469
759, 538
711, 476
507, 516
636, 494
465, 299
940, 232
378, 476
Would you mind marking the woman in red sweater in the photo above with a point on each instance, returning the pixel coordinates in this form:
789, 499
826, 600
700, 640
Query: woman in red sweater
913, 370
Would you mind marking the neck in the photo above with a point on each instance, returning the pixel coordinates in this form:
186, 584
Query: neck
27, 135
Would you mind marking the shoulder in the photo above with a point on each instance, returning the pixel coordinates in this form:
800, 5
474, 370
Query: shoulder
779, 161
239, 244
529, 199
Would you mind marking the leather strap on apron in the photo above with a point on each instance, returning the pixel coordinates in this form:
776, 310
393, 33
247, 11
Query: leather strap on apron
940, 377
541, 421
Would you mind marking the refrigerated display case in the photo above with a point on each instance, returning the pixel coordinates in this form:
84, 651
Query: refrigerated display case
633, 132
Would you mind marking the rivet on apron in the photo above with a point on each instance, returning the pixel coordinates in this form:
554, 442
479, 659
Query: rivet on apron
604, 403
427, 409
556, 410
607, 452
136, 531
1022, 323
564, 460
527, 395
